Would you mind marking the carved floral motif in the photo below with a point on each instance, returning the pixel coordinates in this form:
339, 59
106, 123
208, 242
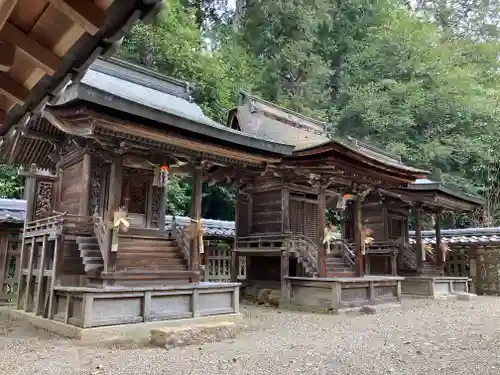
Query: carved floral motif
155, 205
43, 200
95, 191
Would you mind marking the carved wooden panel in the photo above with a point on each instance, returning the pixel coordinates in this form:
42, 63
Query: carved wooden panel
95, 191
43, 199
155, 205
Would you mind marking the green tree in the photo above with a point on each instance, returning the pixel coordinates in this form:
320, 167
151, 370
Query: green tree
11, 184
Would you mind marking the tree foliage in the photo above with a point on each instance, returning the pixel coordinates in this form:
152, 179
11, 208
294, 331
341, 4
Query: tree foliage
418, 78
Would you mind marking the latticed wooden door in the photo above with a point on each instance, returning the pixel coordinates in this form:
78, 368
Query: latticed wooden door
297, 216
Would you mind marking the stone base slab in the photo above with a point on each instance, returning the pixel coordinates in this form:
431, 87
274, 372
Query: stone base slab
122, 333
193, 335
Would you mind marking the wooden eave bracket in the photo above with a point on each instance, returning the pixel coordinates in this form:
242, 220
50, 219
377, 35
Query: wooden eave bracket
85, 13
7, 56
38, 55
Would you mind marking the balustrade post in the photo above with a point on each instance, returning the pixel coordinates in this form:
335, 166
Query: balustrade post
418, 239
440, 260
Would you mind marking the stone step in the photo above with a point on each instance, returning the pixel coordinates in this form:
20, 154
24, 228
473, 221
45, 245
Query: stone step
195, 334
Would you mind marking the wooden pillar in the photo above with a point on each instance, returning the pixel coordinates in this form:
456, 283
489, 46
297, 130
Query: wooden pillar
149, 205
285, 210
358, 235
196, 215
162, 209
57, 266
115, 186
29, 197
114, 199
85, 197
394, 264
418, 239
4, 261
40, 278
285, 272
440, 262
235, 265
321, 230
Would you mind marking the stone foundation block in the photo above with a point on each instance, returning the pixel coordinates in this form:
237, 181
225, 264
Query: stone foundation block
466, 296
194, 335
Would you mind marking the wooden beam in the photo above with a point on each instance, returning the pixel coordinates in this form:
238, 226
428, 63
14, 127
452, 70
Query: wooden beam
37, 54
7, 56
6, 8
13, 90
42, 136
83, 12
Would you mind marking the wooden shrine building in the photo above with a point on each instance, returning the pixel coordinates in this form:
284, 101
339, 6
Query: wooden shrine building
280, 219
95, 225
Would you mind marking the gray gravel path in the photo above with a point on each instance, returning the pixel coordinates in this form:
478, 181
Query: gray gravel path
425, 337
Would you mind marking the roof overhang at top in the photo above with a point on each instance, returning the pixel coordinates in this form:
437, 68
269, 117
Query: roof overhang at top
45, 44
117, 100
335, 155
436, 196
132, 90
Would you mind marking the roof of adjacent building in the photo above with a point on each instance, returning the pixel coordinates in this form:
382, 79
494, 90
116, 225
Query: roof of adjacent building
12, 211
211, 228
436, 195
468, 236
309, 136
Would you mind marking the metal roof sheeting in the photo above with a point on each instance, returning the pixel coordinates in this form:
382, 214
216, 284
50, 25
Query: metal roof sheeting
12, 211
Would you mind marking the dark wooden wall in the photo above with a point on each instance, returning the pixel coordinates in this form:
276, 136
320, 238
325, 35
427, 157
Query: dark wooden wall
266, 212
387, 220
264, 268
71, 188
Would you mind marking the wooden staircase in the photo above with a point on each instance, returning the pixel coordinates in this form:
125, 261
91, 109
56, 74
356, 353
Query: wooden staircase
159, 254
341, 263
90, 254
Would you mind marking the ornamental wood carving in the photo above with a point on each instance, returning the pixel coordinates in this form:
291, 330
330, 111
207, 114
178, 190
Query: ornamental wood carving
155, 205
43, 199
95, 191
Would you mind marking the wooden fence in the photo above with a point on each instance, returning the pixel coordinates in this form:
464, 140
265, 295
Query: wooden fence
485, 270
218, 265
10, 257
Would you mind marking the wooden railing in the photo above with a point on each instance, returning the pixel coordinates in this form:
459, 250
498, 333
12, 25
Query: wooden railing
306, 251
408, 256
103, 236
348, 253
263, 242
57, 224
183, 241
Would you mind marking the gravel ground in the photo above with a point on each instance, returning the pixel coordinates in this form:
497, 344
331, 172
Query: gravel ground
425, 337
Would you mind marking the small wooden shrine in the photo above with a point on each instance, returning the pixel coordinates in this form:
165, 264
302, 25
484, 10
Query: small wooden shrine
95, 222
280, 218
45, 44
